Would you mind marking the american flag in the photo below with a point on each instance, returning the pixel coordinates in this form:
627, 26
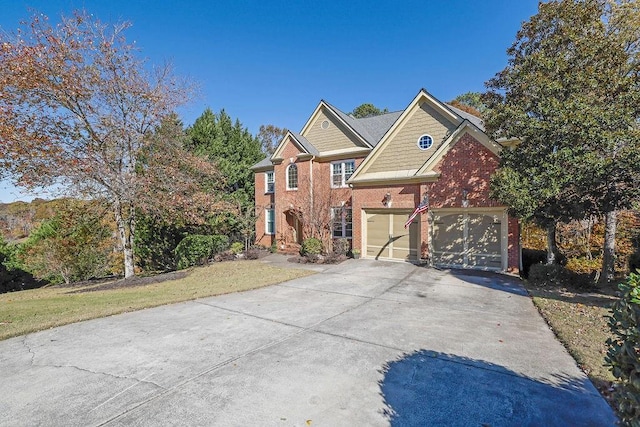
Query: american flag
422, 207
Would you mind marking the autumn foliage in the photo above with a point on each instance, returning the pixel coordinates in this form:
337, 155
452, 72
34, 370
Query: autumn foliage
80, 110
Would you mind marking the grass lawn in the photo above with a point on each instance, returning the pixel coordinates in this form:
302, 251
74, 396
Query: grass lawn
579, 321
37, 309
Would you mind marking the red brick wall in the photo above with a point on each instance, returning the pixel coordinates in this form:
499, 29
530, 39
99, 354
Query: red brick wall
468, 165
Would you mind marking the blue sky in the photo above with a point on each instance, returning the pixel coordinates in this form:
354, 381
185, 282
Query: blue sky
271, 62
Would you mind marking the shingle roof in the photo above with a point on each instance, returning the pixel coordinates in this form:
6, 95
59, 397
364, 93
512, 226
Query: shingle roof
305, 144
371, 129
266, 162
473, 119
377, 126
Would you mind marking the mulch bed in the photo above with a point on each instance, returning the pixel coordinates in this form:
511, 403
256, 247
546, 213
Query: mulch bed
125, 283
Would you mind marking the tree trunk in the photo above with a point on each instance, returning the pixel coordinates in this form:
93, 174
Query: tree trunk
552, 246
126, 238
609, 250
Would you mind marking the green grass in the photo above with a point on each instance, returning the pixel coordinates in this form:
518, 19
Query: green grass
38, 309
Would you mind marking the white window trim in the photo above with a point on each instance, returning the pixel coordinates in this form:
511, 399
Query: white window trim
266, 221
343, 172
266, 182
344, 223
422, 136
297, 177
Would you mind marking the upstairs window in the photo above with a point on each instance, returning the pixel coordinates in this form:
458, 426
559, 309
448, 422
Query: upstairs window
292, 177
425, 142
269, 182
341, 172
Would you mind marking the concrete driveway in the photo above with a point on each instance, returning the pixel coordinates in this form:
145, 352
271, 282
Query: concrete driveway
364, 343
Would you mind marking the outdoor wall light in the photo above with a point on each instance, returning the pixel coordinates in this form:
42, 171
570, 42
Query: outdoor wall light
465, 198
387, 200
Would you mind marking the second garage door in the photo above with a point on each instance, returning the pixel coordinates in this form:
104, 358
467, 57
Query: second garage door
470, 239
387, 237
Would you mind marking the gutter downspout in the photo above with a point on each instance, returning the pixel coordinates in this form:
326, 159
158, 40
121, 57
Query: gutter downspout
310, 192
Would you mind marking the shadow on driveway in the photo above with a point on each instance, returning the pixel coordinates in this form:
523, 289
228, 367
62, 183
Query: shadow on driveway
427, 388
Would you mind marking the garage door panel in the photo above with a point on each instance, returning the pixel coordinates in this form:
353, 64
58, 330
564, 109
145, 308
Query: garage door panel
377, 235
472, 239
387, 237
484, 234
377, 229
448, 239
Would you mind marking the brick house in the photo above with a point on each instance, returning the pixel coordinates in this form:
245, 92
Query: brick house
360, 179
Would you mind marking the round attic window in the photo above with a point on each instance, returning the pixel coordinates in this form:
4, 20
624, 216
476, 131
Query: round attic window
324, 124
425, 142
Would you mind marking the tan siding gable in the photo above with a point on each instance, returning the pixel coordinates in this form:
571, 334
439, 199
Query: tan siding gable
335, 137
402, 152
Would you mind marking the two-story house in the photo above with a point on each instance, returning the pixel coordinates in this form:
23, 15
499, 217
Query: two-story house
361, 179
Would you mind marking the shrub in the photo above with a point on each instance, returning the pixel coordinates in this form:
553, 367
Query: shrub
236, 248
75, 244
531, 257
252, 254
197, 249
274, 247
155, 242
623, 355
311, 246
341, 246
555, 275
584, 265
634, 261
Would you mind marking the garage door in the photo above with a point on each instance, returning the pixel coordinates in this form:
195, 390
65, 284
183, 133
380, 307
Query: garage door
388, 239
467, 240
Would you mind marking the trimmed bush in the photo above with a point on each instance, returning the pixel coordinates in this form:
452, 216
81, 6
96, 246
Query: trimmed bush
311, 246
196, 249
236, 248
531, 257
623, 355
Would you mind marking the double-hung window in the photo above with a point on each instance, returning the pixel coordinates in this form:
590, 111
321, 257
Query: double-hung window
270, 221
342, 222
292, 177
269, 180
341, 172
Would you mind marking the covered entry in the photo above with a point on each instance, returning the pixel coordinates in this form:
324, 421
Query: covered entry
469, 239
386, 237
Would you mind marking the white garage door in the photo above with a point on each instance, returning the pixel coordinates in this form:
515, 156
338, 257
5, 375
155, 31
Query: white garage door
387, 238
467, 240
